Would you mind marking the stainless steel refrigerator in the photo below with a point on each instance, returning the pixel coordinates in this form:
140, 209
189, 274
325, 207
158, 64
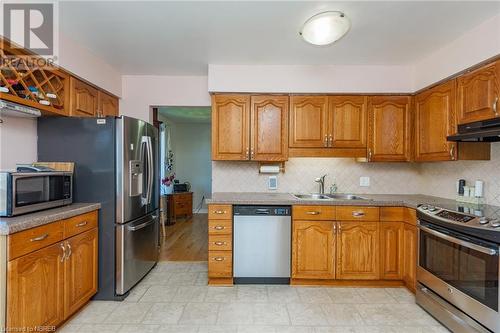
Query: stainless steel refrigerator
116, 164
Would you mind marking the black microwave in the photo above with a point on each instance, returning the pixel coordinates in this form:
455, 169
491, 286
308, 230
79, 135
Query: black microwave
25, 192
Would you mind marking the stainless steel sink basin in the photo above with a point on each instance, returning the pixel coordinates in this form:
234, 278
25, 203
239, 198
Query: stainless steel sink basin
313, 196
342, 196
336, 196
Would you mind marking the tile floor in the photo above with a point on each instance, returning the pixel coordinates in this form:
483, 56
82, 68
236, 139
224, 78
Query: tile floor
175, 298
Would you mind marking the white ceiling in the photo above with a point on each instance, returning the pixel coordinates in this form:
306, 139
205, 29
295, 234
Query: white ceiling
182, 38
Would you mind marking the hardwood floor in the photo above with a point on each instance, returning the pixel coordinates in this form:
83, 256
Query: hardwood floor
187, 240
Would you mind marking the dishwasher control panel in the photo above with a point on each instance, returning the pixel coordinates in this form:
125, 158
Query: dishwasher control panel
262, 210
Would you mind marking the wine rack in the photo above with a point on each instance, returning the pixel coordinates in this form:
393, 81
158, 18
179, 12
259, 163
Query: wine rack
43, 87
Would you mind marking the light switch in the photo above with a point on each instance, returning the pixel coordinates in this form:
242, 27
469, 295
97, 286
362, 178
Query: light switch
364, 181
272, 183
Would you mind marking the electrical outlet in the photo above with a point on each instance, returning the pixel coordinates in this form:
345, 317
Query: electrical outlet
364, 181
272, 183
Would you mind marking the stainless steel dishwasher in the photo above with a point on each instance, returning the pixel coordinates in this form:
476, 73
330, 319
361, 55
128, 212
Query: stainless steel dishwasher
262, 244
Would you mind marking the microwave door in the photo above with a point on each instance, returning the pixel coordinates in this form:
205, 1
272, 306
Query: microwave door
132, 169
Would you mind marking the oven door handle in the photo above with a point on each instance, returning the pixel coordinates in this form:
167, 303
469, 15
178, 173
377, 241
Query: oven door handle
469, 245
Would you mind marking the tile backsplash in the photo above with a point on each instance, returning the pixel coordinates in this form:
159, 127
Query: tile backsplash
437, 179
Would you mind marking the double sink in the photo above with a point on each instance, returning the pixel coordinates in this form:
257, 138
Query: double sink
328, 197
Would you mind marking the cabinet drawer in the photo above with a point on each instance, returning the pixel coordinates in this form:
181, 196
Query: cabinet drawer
220, 242
220, 227
221, 212
313, 213
220, 264
392, 214
34, 239
78, 224
183, 197
357, 213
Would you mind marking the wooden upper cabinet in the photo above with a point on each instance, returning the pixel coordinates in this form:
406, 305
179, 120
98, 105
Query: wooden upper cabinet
80, 274
313, 251
389, 124
83, 99
347, 121
358, 251
478, 94
391, 250
269, 128
308, 121
35, 288
435, 119
108, 105
230, 127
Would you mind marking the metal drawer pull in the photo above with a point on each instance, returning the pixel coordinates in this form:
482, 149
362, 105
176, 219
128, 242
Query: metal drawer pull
495, 102
220, 243
219, 227
39, 238
70, 251
219, 212
82, 224
219, 258
358, 214
313, 213
64, 252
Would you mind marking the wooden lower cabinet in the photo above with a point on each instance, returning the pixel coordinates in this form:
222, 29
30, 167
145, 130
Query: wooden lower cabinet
47, 286
35, 289
410, 256
80, 271
313, 251
358, 251
220, 249
391, 250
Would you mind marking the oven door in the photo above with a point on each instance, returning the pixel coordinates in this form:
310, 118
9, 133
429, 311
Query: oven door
32, 192
463, 270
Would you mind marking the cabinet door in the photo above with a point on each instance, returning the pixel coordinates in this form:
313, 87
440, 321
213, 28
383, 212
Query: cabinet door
358, 251
347, 119
108, 105
308, 121
230, 127
83, 99
269, 129
435, 119
391, 250
389, 128
35, 288
410, 256
478, 94
313, 250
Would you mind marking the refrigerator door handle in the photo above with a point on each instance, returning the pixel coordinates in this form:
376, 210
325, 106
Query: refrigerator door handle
146, 142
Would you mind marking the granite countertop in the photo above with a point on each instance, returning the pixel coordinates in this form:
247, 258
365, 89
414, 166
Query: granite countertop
407, 200
10, 225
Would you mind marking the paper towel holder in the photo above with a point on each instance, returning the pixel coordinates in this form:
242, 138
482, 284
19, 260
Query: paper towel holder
273, 167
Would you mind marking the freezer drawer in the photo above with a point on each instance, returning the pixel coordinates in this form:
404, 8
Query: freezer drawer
137, 249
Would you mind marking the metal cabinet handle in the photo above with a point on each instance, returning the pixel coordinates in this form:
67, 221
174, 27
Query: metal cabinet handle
495, 102
219, 259
369, 154
452, 152
251, 154
326, 141
334, 228
330, 141
340, 229
219, 227
220, 243
64, 252
358, 214
219, 212
70, 252
39, 238
313, 213
247, 153
82, 224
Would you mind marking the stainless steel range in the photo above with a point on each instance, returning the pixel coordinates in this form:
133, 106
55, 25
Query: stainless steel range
458, 266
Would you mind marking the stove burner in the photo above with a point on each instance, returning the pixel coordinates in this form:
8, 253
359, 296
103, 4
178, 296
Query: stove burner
455, 216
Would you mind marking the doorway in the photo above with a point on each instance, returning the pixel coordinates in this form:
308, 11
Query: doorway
186, 175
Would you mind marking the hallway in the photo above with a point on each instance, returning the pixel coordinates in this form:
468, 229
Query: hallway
186, 240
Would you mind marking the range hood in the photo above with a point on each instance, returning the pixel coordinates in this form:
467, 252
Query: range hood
479, 131
11, 109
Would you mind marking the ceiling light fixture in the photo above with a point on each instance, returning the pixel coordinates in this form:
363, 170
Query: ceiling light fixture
325, 28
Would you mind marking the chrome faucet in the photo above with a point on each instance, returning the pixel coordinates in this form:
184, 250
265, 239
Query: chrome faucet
321, 182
